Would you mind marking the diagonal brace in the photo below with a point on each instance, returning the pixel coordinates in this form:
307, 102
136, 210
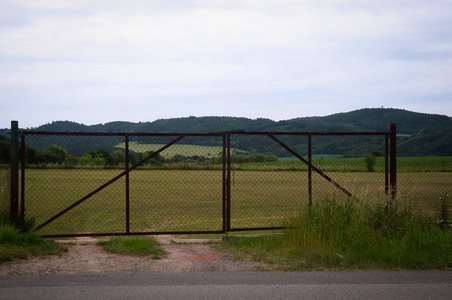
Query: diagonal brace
310, 165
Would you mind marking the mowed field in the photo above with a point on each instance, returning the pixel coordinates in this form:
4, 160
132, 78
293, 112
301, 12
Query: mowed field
181, 149
192, 200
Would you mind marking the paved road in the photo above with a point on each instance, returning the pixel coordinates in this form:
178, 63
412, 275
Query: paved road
256, 285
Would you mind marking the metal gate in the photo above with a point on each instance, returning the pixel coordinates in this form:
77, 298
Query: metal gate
161, 191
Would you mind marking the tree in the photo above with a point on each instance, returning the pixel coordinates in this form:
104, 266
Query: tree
157, 160
71, 160
102, 153
53, 154
86, 159
5, 150
118, 157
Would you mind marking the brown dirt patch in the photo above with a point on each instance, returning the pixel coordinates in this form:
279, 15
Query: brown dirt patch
84, 256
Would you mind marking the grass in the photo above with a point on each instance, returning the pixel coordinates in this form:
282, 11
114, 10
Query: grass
17, 245
144, 246
325, 163
353, 235
357, 164
191, 200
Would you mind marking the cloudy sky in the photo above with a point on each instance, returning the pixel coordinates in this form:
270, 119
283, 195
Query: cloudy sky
96, 61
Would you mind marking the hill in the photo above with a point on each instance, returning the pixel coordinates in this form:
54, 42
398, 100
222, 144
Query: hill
420, 134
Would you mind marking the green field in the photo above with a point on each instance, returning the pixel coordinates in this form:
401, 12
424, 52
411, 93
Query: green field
185, 150
404, 164
174, 200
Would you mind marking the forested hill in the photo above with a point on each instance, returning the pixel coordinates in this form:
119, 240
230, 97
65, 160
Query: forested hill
420, 134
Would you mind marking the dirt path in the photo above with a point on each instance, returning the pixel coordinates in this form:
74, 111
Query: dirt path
84, 256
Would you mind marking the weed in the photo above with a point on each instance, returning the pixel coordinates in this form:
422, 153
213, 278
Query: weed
444, 221
17, 245
134, 245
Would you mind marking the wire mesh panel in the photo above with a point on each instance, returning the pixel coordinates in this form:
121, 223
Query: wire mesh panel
56, 178
181, 189
356, 163
425, 183
288, 172
267, 187
116, 184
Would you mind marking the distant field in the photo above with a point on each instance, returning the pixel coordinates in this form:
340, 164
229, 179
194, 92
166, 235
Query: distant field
170, 200
185, 150
404, 164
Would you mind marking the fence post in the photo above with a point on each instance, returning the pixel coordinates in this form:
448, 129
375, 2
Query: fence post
393, 160
310, 170
14, 167
126, 146
228, 183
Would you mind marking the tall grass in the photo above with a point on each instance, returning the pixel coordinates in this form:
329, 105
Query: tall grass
349, 235
19, 245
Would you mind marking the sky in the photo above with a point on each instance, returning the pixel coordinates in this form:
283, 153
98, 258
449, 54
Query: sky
100, 61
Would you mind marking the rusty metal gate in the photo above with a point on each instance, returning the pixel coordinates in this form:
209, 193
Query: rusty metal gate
176, 188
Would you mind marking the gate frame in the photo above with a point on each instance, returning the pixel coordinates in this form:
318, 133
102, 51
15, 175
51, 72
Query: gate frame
390, 185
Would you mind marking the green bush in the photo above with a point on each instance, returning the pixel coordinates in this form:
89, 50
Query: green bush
370, 161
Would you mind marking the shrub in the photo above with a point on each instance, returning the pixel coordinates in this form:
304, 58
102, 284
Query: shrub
370, 161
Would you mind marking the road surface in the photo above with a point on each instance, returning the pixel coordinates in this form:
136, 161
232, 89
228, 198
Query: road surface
232, 285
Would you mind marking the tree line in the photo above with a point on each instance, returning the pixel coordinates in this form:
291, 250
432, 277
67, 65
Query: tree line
56, 155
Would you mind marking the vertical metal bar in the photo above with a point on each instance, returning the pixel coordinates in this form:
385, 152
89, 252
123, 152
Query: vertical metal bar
393, 160
386, 164
14, 169
228, 182
310, 170
22, 184
224, 186
126, 137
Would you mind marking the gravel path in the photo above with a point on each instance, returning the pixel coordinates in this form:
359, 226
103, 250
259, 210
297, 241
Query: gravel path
85, 257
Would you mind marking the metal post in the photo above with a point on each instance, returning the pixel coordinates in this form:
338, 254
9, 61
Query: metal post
310, 170
228, 183
225, 227
386, 164
22, 183
127, 184
14, 167
393, 160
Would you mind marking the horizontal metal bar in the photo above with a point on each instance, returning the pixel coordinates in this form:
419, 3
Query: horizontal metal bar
256, 228
313, 133
130, 233
219, 133
160, 134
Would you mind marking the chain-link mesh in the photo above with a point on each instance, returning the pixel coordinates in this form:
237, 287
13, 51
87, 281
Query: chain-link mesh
426, 185
273, 186
181, 189
77, 184
61, 170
